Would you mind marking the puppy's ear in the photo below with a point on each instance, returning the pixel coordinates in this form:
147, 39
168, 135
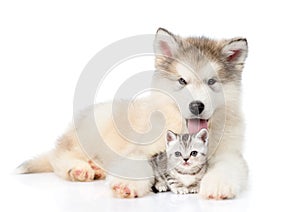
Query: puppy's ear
235, 50
165, 43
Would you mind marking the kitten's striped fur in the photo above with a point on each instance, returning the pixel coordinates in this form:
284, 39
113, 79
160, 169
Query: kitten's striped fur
179, 168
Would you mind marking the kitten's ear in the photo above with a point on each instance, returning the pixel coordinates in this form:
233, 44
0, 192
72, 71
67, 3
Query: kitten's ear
202, 135
235, 50
170, 137
165, 43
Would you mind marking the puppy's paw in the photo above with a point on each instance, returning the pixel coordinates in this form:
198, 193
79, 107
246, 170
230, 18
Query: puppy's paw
81, 173
130, 189
219, 186
124, 191
99, 173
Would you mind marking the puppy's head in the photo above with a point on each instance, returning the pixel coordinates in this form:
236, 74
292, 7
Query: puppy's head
199, 73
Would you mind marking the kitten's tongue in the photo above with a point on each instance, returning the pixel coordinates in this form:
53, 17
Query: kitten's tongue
195, 125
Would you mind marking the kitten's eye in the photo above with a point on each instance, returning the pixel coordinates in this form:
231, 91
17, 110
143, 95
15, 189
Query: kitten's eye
211, 81
194, 153
182, 81
177, 154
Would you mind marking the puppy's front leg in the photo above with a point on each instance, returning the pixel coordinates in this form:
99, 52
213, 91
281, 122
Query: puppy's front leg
136, 179
226, 177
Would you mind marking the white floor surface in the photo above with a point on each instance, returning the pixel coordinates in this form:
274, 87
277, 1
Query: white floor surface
46, 192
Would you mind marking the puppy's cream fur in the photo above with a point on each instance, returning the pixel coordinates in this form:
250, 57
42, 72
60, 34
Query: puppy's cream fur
227, 172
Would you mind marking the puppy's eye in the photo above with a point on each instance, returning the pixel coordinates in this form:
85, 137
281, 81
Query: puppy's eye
194, 153
177, 154
182, 81
211, 81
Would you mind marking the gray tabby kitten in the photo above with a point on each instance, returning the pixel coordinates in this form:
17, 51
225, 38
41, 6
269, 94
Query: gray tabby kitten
181, 167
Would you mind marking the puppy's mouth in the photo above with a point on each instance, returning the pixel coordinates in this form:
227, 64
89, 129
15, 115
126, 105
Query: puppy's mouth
195, 125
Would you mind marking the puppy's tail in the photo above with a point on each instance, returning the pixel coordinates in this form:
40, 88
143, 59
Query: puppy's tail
38, 164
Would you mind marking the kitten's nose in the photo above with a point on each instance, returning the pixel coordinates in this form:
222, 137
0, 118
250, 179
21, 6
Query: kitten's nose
185, 159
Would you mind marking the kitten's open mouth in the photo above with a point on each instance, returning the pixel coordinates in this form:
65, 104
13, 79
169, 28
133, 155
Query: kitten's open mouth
195, 125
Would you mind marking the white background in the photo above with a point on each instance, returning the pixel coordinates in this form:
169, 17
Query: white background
44, 46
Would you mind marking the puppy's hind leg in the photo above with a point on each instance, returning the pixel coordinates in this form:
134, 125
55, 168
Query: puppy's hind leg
70, 167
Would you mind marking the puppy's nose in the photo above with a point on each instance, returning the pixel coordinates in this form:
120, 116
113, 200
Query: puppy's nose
196, 107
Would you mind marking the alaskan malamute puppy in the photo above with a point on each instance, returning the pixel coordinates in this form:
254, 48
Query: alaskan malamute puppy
202, 78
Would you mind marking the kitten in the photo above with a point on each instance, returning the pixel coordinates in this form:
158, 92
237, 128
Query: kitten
181, 167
